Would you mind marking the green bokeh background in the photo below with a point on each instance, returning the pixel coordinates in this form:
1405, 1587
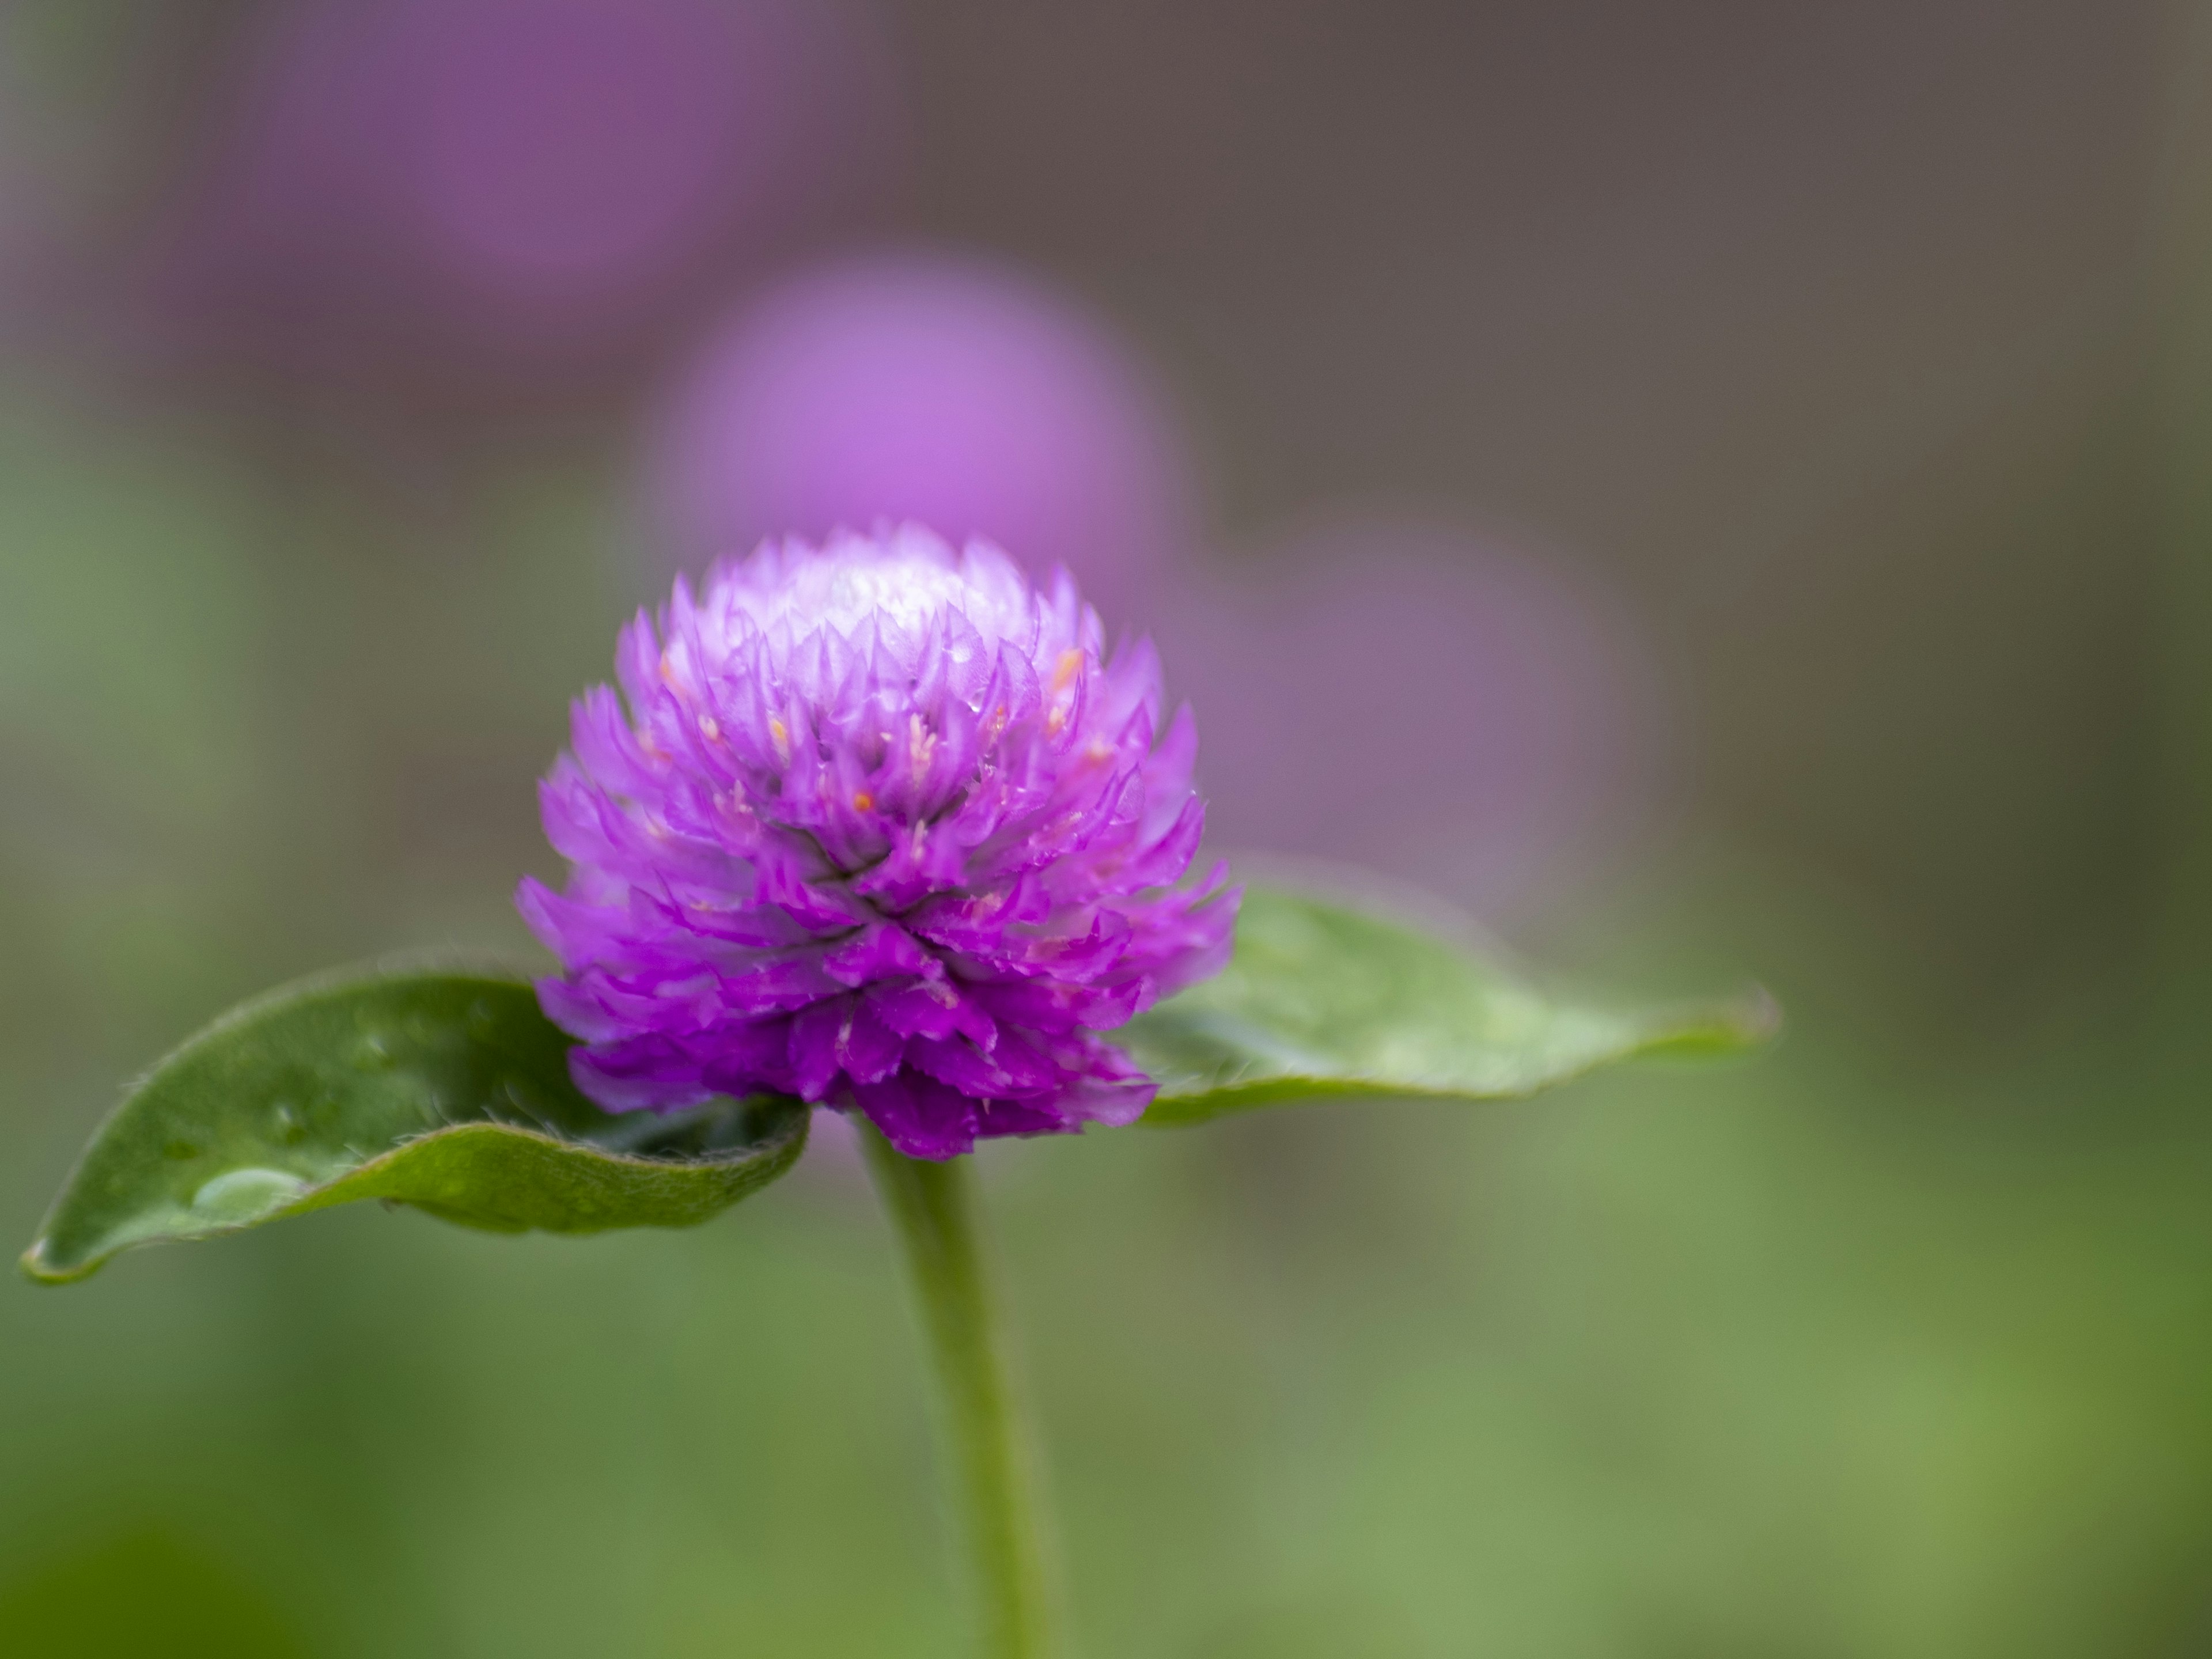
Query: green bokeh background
1896, 1343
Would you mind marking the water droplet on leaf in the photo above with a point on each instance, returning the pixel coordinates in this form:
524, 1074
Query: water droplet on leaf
241, 1195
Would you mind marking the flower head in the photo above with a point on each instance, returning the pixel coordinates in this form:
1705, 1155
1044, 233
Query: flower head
882, 828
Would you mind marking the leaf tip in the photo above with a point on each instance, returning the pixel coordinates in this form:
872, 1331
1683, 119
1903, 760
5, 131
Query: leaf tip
1750, 1019
39, 1266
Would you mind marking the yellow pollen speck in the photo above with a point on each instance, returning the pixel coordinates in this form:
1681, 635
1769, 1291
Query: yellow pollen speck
782, 735
668, 671
710, 728
862, 800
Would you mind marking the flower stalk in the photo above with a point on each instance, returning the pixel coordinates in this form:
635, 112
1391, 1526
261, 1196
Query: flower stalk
991, 1461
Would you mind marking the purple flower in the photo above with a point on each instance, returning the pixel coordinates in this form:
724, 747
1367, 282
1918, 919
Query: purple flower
882, 828
441, 188
958, 392
1497, 700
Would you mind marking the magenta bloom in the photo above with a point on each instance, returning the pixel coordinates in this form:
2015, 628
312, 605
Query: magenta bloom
957, 392
441, 187
884, 828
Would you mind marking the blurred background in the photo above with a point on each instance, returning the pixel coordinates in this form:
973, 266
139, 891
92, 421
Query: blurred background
1715, 490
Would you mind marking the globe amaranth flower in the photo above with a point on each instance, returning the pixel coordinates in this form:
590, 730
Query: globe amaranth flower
882, 827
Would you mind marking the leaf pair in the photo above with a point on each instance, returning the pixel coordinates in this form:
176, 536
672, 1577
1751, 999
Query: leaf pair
443, 1086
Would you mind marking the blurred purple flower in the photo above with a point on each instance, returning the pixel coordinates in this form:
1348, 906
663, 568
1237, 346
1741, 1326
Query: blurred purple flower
1488, 698
881, 829
952, 392
527, 179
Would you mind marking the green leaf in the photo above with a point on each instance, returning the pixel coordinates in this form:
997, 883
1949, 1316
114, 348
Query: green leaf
441, 1086
1322, 1002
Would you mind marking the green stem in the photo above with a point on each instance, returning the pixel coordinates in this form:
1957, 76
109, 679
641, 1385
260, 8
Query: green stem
986, 1439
